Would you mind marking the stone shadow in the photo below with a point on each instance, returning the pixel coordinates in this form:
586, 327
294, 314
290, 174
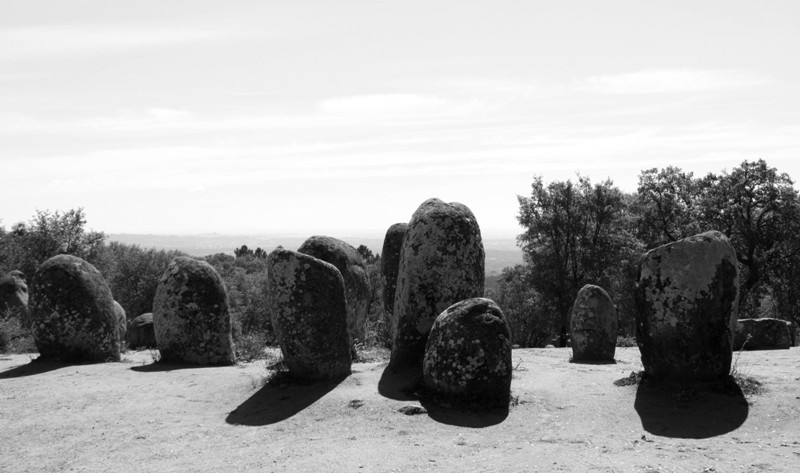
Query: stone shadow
696, 411
593, 362
161, 366
281, 397
36, 366
399, 384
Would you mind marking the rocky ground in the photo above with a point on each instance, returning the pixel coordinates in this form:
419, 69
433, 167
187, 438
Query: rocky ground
143, 416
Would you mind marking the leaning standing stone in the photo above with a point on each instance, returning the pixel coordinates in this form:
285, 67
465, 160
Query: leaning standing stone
390, 265
687, 300
309, 315
190, 315
468, 353
72, 311
441, 263
355, 274
593, 325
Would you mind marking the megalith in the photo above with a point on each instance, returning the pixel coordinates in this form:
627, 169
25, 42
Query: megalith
468, 353
762, 334
14, 296
441, 263
190, 315
122, 323
593, 325
140, 332
687, 302
390, 265
309, 315
72, 312
356, 278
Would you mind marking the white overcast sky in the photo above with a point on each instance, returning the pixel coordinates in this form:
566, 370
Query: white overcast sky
312, 116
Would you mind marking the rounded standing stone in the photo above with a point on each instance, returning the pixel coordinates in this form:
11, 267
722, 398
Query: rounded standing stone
190, 315
72, 312
309, 315
14, 296
441, 263
593, 325
390, 265
356, 278
687, 301
140, 332
468, 353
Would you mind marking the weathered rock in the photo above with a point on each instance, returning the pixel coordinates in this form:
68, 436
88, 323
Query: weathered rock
14, 296
468, 353
72, 312
687, 302
190, 315
356, 278
593, 325
762, 334
140, 332
122, 323
309, 314
441, 263
390, 265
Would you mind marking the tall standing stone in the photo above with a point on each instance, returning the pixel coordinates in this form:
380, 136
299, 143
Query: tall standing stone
190, 315
309, 315
122, 323
593, 325
687, 301
72, 312
390, 265
441, 263
356, 278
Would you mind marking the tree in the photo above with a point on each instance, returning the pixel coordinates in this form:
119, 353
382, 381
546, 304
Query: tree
531, 323
667, 206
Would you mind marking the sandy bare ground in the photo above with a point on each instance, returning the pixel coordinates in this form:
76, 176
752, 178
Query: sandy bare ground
138, 416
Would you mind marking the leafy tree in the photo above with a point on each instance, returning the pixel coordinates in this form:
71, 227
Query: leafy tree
531, 322
667, 206
367, 255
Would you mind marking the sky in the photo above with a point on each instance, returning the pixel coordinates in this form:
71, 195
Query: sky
168, 117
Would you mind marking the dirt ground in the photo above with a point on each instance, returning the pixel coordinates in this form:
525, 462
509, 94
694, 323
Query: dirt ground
139, 416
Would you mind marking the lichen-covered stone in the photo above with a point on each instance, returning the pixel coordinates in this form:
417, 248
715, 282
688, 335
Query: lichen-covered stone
687, 302
356, 278
441, 263
122, 323
14, 296
762, 334
309, 315
468, 353
593, 325
140, 332
190, 315
390, 265
72, 312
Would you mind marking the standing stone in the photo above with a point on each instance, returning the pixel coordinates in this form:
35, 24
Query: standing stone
356, 278
441, 263
593, 325
309, 315
468, 353
140, 332
764, 334
14, 296
190, 315
122, 323
72, 312
687, 301
390, 265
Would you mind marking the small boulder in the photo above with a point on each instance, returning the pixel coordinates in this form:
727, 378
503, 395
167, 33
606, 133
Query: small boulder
468, 353
141, 333
441, 263
190, 315
14, 296
122, 322
762, 334
390, 265
309, 315
72, 312
593, 325
356, 278
687, 302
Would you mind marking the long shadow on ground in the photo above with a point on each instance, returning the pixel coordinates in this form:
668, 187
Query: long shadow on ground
282, 397
398, 384
36, 366
161, 366
694, 411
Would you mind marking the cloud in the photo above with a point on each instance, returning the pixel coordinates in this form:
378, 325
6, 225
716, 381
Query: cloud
660, 81
394, 105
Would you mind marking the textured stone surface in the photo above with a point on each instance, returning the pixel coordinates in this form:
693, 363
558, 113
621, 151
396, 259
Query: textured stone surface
441, 263
140, 332
190, 315
390, 265
765, 334
122, 323
687, 301
14, 295
355, 274
72, 312
593, 325
468, 353
309, 315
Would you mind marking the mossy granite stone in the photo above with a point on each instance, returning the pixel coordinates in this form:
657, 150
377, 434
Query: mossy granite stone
72, 312
593, 325
140, 332
390, 265
687, 302
309, 315
122, 323
762, 334
190, 315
